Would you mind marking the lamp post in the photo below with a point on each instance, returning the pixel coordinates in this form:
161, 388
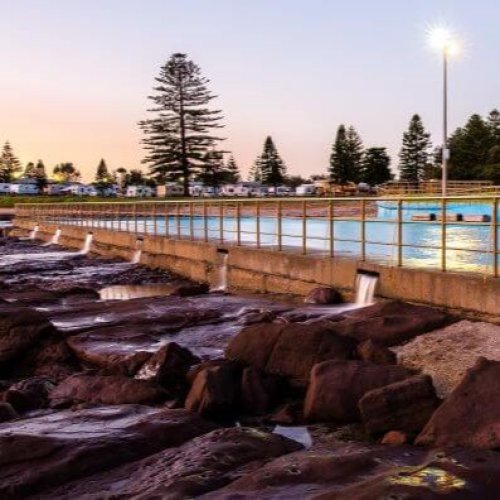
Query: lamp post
447, 43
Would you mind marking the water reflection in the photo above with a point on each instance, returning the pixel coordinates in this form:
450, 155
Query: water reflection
299, 434
433, 478
127, 292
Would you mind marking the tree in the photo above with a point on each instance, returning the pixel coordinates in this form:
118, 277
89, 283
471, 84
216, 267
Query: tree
231, 171
293, 181
346, 156
9, 163
269, 167
29, 170
66, 172
40, 175
180, 135
414, 154
494, 124
102, 176
212, 173
469, 149
375, 167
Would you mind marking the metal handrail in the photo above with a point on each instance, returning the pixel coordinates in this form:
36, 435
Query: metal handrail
182, 218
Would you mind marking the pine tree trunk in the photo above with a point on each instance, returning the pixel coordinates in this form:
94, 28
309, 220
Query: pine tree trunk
184, 160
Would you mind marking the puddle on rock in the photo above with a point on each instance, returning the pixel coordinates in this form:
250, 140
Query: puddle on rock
128, 292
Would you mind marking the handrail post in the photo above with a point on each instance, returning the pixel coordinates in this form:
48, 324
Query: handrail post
135, 218
238, 223
167, 220
191, 220
205, 221
178, 213
400, 233
443, 234
155, 222
494, 220
363, 230
278, 226
257, 221
304, 227
221, 222
330, 228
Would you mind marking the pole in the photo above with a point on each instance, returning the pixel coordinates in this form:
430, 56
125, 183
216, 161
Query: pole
445, 153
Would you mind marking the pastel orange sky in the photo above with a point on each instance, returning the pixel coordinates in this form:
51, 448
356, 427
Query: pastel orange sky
75, 74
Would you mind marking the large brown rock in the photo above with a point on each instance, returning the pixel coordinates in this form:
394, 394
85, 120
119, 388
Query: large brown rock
206, 463
20, 328
470, 417
371, 352
7, 412
214, 392
289, 350
168, 367
257, 391
336, 387
101, 389
37, 453
391, 323
402, 406
360, 472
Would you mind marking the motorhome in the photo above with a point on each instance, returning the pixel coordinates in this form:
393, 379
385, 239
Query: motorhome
279, 191
24, 186
305, 190
139, 191
169, 190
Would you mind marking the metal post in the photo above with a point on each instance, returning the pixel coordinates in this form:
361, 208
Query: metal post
331, 234
304, 227
494, 221
257, 222
238, 223
205, 221
444, 155
400, 233
167, 220
363, 230
135, 218
178, 214
155, 222
191, 220
278, 226
221, 222
443, 234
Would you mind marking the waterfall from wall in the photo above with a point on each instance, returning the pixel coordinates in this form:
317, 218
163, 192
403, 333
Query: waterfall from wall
87, 245
33, 233
136, 257
220, 284
55, 238
365, 288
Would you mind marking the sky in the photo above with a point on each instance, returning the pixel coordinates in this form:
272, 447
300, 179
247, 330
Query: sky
76, 73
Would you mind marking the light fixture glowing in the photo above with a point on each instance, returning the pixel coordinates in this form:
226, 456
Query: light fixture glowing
444, 40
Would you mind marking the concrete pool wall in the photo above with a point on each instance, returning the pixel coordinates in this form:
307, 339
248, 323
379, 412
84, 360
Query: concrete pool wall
269, 271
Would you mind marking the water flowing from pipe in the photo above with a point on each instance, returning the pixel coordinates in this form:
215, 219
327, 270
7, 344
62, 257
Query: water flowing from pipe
136, 257
87, 245
365, 289
55, 238
221, 276
33, 233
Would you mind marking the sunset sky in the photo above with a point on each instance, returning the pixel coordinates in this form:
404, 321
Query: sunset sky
76, 73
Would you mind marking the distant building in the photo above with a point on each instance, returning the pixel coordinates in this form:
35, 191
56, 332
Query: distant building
139, 191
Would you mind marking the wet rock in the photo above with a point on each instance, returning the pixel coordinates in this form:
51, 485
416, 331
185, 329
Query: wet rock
395, 438
257, 392
366, 473
257, 316
20, 328
206, 463
371, 352
109, 390
7, 412
324, 296
168, 367
191, 289
404, 406
214, 392
391, 323
470, 415
49, 450
289, 350
336, 387
29, 394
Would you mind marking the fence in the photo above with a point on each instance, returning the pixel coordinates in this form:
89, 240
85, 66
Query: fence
450, 234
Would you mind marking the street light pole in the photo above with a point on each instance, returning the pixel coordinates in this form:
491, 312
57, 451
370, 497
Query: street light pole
445, 151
